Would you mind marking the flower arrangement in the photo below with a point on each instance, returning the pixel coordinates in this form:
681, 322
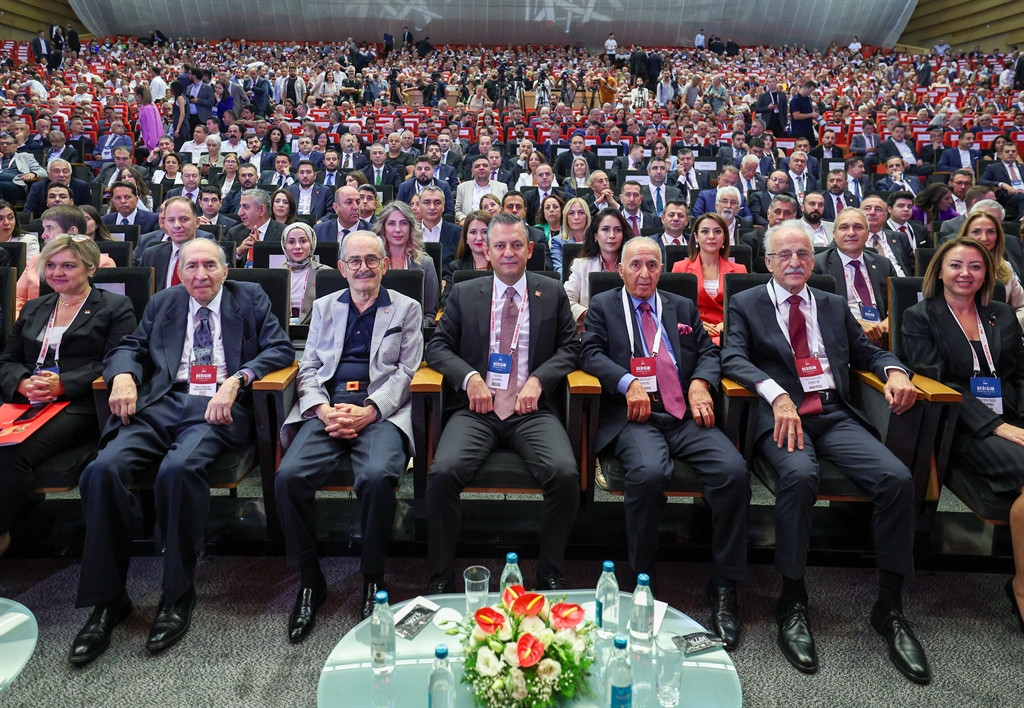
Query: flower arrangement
526, 651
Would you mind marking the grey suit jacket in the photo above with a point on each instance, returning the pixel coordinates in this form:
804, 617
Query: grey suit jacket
26, 162
396, 349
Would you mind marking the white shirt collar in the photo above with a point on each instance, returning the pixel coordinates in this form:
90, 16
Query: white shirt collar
499, 288
214, 306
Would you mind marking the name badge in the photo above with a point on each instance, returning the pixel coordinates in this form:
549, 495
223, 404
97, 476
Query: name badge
202, 380
988, 390
870, 314
811, 375
499, 368
50, 369
645, 369
1017, 184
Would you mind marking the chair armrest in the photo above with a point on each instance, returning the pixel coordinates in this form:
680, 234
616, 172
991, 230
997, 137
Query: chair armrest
734, 390
426, 380
277, 380
99, 384
934, 391
866, 377
582, 383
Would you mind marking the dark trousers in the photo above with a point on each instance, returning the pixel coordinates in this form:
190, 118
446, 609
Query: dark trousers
378, 459
646, 452
11, 192
62, 432
837, 437
173, 432
468, 438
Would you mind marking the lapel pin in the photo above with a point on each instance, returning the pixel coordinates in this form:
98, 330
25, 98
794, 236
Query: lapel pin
88, 312
536, 293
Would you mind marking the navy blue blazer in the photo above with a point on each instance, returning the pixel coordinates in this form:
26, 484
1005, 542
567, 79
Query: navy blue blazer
949, 161
408, 188
35, 202
706, 202
321, 201
146, 220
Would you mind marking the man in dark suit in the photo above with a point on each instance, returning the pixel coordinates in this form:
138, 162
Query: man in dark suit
59, 149
330, 175
423, 175
163, 256
837, 196
631, 162
282, 174
901, 208
379, 172
443, 172
857, 179
1008, 179
200, 98
177, 400
632, 198
577, 148
42, 48
772, 107
545, 178
953, 158
210, 212
305, 151
248, 178
884, 240
689, 181
802, 375
897, 145
346, 219
435, 228
191, 184
352, 397
503, 393
827, 149
897, 179
750, 179
706, 200
350, 157
124, 198
58, 171
863, 274
659, 190
310, 197
646, 430
759, 203
254, 213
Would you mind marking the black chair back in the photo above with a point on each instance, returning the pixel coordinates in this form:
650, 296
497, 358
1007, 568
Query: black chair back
922, 257
460, 276
216, 231
742, 255
903, 293
309, 219
119, 251
8, 281
674, 254
96, 193
128, 232
408, 282
16, 250
275, 283
570, 251
684, 284
538, 258
433, 249
270, 255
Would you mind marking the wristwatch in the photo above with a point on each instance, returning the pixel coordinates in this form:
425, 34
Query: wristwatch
240, 375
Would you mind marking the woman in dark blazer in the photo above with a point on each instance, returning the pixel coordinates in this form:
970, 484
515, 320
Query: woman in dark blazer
78, 325
939, 335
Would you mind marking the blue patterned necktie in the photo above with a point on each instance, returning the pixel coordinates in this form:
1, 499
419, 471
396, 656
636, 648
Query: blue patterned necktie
202, 340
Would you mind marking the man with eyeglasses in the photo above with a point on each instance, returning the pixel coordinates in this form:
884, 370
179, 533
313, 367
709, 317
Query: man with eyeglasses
759, 202
794, 346
365, 344
655, 406
17, 170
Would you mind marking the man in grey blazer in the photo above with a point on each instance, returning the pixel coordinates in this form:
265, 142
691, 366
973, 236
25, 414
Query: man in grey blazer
353, 384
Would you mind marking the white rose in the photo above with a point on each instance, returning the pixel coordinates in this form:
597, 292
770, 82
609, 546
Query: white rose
579, 645
565, 636
518, 684
478, 635
487, 662
505, 632
549, 669
531, 625
509, 655
546, 636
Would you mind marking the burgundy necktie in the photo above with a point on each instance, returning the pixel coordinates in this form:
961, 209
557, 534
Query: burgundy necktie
633, 221
839, 204
798, 340
505, 398
175, 278
667, 375
860, 285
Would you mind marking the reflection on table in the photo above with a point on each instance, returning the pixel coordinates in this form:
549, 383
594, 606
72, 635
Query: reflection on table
709, 679
18, 635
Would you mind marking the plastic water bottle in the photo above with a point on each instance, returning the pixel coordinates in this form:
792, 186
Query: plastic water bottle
382, 635
641, 616
511, 575
620, 676
607, 602
442, 680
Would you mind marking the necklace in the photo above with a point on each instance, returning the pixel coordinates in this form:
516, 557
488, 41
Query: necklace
72, 303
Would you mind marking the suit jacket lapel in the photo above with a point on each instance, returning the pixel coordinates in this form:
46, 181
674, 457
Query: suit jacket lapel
381, 324
231, 324
84, 314
176, 328
670, 319
536, 315
771, 325
828, 335
483, 313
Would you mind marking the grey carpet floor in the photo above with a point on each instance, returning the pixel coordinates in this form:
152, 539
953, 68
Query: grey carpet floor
236, 653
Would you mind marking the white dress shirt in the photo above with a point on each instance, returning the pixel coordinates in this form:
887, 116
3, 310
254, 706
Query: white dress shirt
215, 330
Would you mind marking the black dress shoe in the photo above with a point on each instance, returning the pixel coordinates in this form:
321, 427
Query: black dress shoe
303, 616
725, 615
172, 622
1014, 607
370, 588
94, 638
554, 581
795, 637
905, 652
440, 585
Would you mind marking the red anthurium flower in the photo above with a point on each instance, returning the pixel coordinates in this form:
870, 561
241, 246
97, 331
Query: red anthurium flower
529, 650
528, 604
489, 620
566, 615
511, 594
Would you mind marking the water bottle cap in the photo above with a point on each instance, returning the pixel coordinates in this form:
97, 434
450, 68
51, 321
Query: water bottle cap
381, 598
441, 651
512, 558
643, 579
620, 641
609, 567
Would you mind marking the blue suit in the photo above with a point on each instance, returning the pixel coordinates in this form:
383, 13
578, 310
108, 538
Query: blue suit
949, 161
169, 430
317, 158
320, 201
706, 203
146, 220
408, 188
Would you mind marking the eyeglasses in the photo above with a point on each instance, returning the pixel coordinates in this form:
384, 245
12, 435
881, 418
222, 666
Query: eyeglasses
785, 256
355, 262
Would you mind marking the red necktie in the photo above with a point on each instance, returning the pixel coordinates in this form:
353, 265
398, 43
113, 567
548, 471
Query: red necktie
505, 398
636, 226
798, 340
175, 279
667, 375
860, 285
839, 204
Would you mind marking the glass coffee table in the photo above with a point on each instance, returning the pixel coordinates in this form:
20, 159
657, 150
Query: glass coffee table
18, 635
709, 678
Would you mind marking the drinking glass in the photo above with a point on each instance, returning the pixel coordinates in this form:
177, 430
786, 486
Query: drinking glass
670, 672
477, 579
